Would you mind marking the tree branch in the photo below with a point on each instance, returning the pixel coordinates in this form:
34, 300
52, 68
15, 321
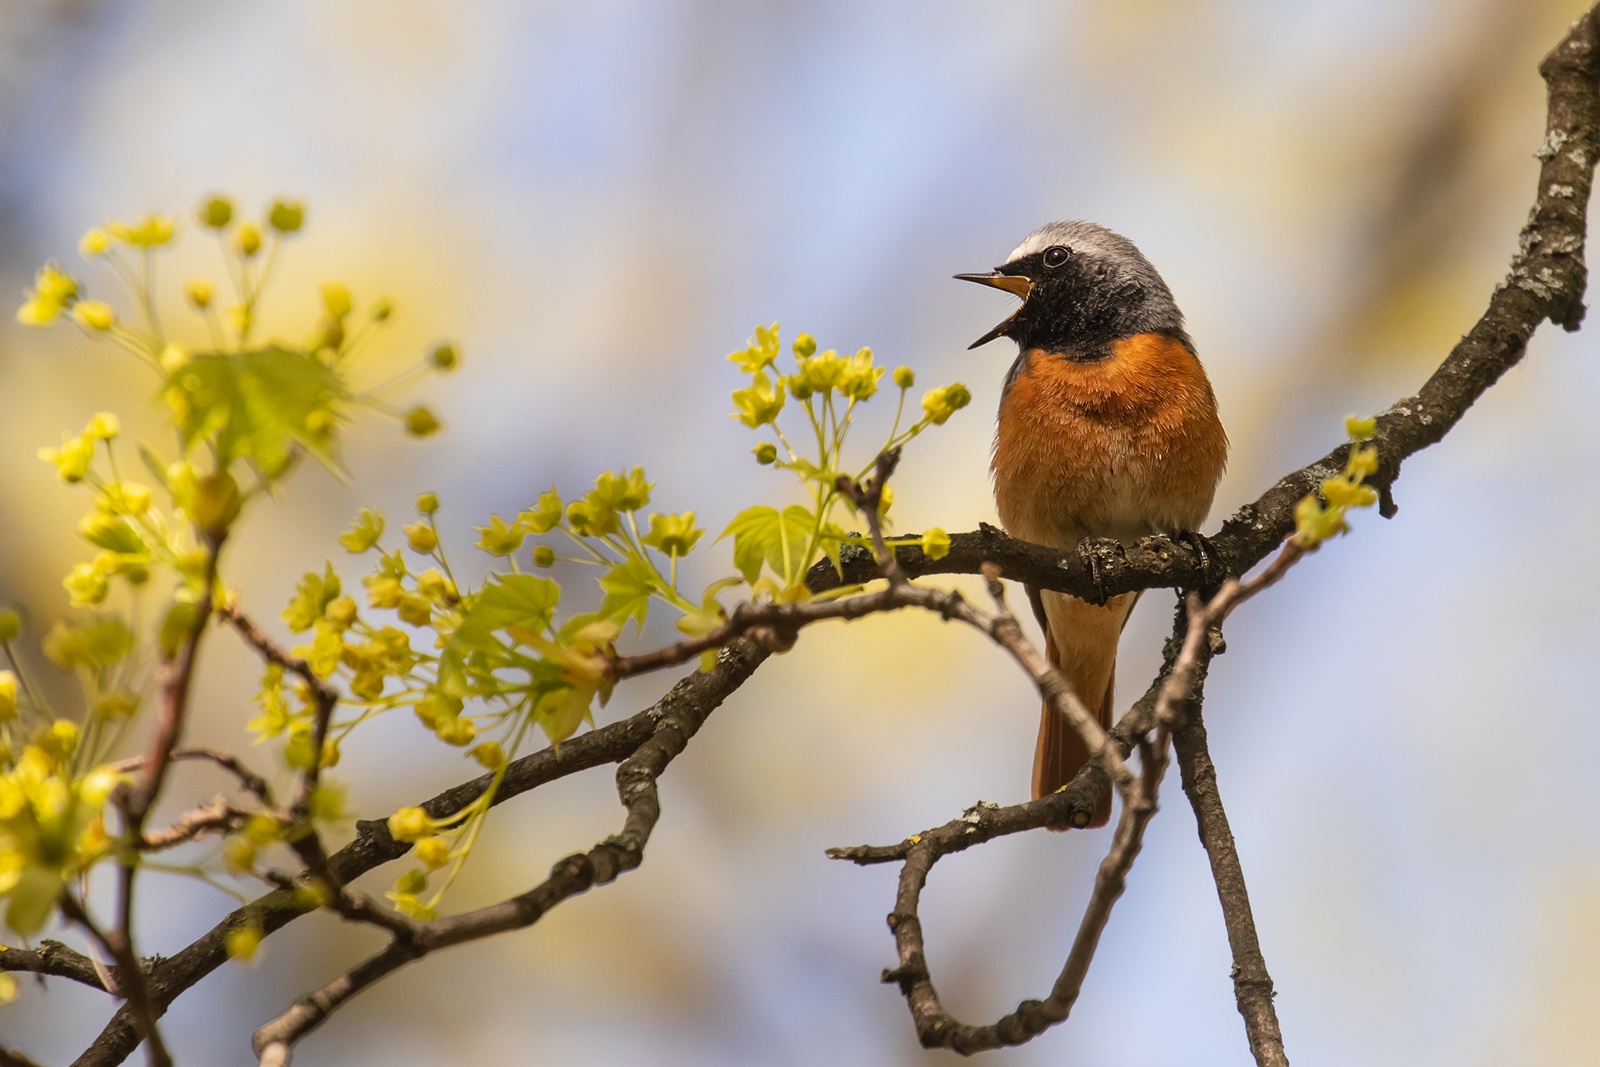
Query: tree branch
636, 786
695, 696
52, 958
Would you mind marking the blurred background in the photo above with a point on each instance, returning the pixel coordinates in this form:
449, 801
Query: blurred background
601, 199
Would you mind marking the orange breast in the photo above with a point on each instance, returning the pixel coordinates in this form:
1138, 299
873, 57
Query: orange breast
1122, 447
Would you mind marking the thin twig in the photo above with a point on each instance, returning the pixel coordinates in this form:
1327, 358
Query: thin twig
248, 780
303, 836
216, 817
176, 677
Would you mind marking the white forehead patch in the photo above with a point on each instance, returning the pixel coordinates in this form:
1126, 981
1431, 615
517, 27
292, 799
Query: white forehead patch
1076, 235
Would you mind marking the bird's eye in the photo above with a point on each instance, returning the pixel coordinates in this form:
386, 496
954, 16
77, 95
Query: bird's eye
1056, 255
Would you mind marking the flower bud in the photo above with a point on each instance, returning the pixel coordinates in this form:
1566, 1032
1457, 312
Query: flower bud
217, 501
242, 942
336, 299
427, 503
422, 538
10, 625
544, 556
215, 212
421, 422
286, 216
411, 882
904, 377
935, 543
433, 852
445, 356
766, 453
173, 357
490, 754
198, 290
1360, 429
410, 824
247, 239
8, 696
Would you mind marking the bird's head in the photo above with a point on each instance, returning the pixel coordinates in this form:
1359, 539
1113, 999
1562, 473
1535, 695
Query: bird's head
1082, 287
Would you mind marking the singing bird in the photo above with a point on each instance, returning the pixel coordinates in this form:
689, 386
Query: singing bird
1108, 428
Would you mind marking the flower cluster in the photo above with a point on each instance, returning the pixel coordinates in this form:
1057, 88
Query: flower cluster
51, 822
773, 549
485, 668
245, 412
1316, 520
53, 786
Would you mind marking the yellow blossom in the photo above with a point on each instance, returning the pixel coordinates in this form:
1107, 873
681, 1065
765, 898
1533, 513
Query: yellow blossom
759, 404
433, 852
673, 535
72, 459
152, 231
939, 404
54, 290
94, 242
94, 315
103, 426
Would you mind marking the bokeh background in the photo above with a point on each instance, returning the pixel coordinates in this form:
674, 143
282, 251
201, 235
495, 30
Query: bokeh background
599, 200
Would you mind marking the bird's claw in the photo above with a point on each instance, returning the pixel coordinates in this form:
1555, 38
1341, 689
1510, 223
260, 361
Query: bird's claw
1091, 550
1204, 549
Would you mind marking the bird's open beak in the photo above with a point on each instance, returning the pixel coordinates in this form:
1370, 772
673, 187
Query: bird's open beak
1015, 284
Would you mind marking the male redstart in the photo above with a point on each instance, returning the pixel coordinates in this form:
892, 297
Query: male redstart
1108, 429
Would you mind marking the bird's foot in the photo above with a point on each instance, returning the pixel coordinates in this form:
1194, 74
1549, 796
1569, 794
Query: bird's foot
1210, 578
1208, 555
1095, 551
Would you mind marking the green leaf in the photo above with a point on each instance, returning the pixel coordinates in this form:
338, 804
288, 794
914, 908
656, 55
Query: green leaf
760, 534
750, 530
521, 600
627, 587
259, 406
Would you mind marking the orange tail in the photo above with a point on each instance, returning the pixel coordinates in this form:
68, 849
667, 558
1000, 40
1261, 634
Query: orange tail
1081, 640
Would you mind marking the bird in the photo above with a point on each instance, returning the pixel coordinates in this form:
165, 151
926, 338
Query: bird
1107, 429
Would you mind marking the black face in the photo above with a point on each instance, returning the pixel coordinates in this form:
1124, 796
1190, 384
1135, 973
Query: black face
1078, 305
1078, 301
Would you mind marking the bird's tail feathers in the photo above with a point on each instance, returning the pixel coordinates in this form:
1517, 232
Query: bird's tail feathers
1081, 640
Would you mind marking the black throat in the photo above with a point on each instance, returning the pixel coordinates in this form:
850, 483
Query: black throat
1078, 309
